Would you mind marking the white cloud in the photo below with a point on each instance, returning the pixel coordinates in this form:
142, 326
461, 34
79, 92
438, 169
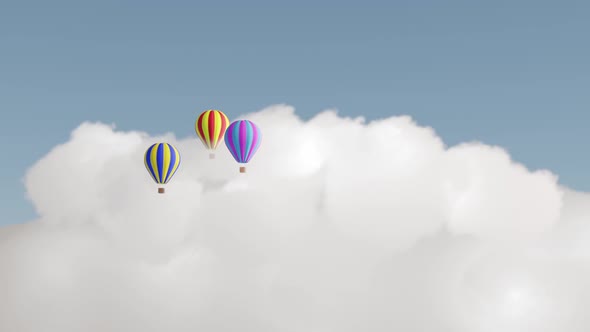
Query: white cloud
489, 195
338, 225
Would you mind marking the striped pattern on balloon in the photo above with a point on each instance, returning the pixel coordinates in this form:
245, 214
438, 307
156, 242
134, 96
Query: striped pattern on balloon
242, 139
210, 126
162, 161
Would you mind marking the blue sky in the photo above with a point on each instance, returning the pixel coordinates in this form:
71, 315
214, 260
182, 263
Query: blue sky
508, 73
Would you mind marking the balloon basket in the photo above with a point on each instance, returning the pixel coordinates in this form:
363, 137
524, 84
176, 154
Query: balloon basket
161, 190
211, 155
242, 169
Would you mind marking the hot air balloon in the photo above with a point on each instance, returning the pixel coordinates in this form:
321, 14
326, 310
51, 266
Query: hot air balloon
162, 161
242, 139
210, 127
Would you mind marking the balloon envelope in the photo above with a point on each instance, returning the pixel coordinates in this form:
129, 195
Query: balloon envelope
242, 139
210, 127
162, 161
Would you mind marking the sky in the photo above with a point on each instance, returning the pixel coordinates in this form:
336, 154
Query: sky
507, 73
421, 167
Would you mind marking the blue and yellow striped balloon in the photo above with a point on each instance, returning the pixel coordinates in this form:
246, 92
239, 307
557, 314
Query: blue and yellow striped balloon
162, 161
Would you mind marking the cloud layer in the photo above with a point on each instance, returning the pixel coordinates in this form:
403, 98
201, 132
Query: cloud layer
338, 225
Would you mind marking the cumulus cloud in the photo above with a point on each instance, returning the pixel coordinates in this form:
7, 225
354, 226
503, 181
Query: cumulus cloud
338, 225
